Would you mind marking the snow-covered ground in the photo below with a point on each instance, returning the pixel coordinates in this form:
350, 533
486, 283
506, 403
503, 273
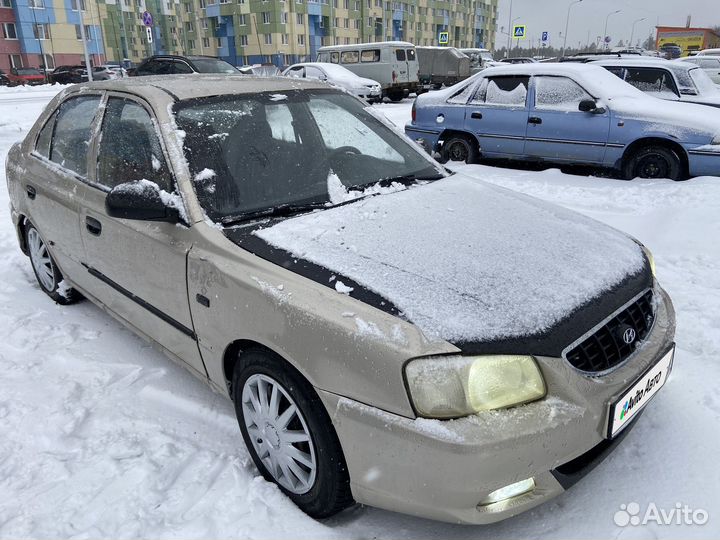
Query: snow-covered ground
101, 436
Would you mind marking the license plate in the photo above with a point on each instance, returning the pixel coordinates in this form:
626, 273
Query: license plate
639, 394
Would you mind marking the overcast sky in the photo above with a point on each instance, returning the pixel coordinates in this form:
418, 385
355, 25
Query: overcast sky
589, 15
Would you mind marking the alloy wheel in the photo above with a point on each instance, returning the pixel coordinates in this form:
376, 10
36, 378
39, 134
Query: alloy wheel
41, 260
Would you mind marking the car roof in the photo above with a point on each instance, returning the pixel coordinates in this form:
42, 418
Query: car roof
361, 45
646, 62
538, 68
199, 85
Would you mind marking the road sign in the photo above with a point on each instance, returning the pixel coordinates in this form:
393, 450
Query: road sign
545, 37
608, 39
147, 18
444, 38
148, 30
519, 31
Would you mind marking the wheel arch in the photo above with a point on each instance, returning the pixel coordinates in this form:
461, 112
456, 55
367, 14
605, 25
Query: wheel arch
21, 229
656, 141
448, 133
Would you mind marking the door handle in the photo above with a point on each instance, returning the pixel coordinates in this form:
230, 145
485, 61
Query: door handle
93, 226
476, 115
31, 193
534, 120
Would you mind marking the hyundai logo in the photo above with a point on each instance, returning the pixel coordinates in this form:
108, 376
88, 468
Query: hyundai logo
629, 336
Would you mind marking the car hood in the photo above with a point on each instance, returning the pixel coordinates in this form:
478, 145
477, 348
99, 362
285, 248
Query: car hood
465, 261
713, 101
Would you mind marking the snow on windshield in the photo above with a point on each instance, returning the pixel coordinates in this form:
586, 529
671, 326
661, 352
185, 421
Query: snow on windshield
463, 260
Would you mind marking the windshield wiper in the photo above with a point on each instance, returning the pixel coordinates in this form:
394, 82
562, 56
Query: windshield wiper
405, 180
273, 211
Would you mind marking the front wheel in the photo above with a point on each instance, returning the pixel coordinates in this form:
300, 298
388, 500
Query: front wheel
48, 275
289, 435
653, 162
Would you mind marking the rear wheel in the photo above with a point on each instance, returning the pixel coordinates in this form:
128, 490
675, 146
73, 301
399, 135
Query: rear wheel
460, 148
289, 435
654, 162
396, 95
48, 275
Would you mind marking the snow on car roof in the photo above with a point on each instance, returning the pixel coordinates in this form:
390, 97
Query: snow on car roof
375, 45
201, 85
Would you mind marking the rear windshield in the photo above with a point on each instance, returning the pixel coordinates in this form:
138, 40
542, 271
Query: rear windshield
213, 65
400, 55
411, 55
28, 71
704, 83
250, 153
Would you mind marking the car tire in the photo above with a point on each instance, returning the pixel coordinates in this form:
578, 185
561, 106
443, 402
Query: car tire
313, 473
460, 148
653, 162
396, 96
46, 271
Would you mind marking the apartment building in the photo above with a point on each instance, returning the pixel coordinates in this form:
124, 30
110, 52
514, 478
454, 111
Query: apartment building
47, 32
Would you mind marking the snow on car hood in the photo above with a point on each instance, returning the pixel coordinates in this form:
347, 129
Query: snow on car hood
463, 260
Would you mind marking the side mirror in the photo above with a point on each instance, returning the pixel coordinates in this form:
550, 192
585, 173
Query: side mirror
139, 200
590, 106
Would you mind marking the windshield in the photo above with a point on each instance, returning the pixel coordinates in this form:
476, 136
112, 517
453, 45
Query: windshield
28, 71
704, 83
251, 153
213, 65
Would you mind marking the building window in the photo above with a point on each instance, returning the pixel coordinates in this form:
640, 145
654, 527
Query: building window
283, 17
301, 39
284, 39
300, 18
6, 3
241, 20
191, 44
41, 31
244, 40
15, 60
74, 5
266, 17
78, 35
206, 42
219, 43
9, 30
268, 39
36, 4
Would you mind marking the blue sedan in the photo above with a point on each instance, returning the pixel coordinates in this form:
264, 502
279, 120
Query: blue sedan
567, 114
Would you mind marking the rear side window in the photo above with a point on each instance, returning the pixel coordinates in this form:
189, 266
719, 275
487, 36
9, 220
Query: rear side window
372, 55
620, 72
558, 94
653, 81
411, 55
180, 67
335, 58
507, 91
42, 146
350, 57
400, 55
129, 148
71, 138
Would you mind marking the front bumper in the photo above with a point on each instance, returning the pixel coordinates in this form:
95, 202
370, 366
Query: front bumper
443, 469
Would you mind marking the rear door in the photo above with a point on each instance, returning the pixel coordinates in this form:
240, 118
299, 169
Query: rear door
400, 67
413, 65
139, 266
498, 115
558, 130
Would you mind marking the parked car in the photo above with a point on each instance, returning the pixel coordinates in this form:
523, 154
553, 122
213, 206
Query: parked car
479, 58
671, 51
709, 64
69, 75
4, 80
391, 63
173, 65
568, 113
29, 76
117, 69
261, 70
290, 228
441, 66
671, 80
709, 52
103, 73
338, 76
517, 60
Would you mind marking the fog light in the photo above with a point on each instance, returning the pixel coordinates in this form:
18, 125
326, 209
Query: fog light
508, 492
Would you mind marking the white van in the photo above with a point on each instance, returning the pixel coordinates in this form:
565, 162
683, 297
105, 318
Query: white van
709, 52
391, 63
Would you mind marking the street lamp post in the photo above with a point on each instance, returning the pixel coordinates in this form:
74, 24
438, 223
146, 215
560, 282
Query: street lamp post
632, 34
606, 25
509, 30
567, 25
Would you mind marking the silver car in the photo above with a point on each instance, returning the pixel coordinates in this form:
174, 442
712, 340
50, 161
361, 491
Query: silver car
390, 333
336, 75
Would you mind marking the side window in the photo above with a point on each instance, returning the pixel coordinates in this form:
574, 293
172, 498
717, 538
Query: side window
650, 80
323, 57
312, 72
400, 55
620, 72
297, 72
42, 145
480, 92
180, 68
335, 58
507, 91
558, 94
350, 57
129, 147
411, 55
371, 55
71, 137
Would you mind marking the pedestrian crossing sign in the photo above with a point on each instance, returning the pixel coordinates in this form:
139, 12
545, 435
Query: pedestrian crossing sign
444, 38
519, 31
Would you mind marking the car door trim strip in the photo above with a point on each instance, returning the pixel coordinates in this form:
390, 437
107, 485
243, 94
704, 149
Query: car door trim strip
139, 301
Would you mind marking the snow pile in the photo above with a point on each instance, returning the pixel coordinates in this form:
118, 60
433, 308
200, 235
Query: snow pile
463, 260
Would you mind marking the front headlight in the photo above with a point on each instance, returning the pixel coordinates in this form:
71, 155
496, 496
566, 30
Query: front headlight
455, 386
650, 258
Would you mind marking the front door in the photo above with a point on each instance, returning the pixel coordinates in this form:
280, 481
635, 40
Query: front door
139, 266
498, 116
558, 130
